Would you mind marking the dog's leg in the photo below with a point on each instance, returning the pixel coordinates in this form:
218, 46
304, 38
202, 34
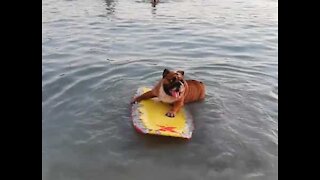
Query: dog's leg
175, 108
146, 95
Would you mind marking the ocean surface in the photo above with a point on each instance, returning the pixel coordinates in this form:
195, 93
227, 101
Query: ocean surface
96, 53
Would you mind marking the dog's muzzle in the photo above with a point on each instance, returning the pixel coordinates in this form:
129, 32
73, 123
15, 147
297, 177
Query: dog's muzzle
176, 89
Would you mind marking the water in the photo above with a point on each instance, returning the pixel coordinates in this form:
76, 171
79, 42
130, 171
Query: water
96, 53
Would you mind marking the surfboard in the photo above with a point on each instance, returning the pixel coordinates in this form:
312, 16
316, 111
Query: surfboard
148, 117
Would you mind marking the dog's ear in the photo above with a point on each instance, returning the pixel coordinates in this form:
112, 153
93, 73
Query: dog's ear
165, 72
181, 72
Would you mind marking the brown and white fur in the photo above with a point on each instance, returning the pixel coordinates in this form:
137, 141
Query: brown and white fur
173, 89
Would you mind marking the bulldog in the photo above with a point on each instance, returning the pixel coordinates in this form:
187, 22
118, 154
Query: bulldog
175, 90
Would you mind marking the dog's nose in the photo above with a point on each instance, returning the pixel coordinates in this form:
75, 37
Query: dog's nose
177, 84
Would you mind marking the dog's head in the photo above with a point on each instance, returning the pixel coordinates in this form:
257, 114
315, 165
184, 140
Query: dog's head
173, 83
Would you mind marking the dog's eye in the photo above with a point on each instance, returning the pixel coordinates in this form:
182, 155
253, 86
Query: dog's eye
173, 79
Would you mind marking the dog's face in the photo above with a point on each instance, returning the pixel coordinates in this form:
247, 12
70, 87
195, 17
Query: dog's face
173, 83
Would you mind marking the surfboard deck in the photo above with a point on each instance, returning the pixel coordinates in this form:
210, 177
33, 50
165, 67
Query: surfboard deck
148, 117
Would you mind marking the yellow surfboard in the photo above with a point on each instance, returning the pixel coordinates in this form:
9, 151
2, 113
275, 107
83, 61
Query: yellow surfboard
149, 117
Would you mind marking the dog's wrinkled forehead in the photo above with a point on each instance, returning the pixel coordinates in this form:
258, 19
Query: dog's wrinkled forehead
172, 74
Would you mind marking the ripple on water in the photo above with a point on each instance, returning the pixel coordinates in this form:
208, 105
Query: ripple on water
97, 53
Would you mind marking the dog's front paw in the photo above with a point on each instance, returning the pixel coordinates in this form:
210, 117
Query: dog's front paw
171, 114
